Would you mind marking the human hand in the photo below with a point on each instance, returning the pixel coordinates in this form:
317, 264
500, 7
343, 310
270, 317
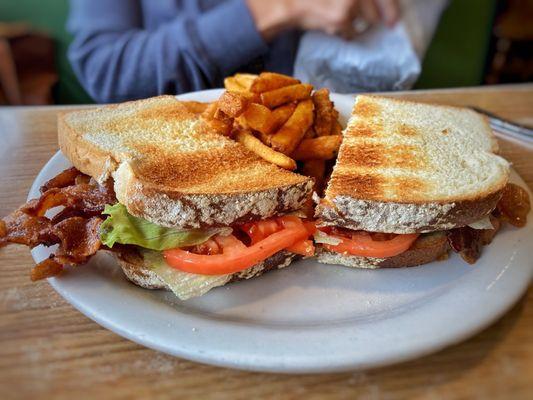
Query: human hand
337, 16
375, 11
330, 16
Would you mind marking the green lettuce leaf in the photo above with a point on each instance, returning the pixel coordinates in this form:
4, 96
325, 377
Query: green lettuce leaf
122, 227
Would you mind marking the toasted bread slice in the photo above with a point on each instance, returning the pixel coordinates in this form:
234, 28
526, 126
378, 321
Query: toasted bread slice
407, 167
425, 249
171, 170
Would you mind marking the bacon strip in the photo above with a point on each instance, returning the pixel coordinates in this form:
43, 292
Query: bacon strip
514, 206
468, 242
65, 178
27, 229
89, 198
46, 269
75, 228
79, 239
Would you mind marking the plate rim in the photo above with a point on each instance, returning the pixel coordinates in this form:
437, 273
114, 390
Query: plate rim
251, 364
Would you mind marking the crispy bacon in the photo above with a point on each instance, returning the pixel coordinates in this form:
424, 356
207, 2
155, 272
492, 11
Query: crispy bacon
89, 198
3, 229
69, 213
79, 238
468, 242
514, 205
46, 269
65, 178
27, 229
75, 228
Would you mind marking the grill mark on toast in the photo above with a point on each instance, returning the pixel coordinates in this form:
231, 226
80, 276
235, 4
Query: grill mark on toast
208, 171
380, 155
364, 185
188, 170
366, 109
375, 186
367, 155
362, 128
409, 188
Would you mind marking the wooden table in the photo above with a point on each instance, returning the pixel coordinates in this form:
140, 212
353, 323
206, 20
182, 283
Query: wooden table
50, 350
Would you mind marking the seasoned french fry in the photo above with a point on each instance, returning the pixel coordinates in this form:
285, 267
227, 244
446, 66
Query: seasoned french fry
267, 81
290, 134
220, 127
230, 83
233, 104
286, 94
259, 118
266, 138
337, 128
310, 134
241, 123
320, 148
196, 107
210, 110
245, 80
316, 169
252, 97
324, 114
281, 114
252, 143
216, 120
221, 116
335, 113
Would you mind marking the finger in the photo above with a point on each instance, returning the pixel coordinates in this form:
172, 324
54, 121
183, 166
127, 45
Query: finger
347, 32
369, 11
353, 10
389, 11
330, 30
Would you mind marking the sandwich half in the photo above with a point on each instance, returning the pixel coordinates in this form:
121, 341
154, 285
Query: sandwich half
182, 208
407, 175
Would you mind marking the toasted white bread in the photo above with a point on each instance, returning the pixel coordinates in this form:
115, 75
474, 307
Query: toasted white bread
406, 167
171, 170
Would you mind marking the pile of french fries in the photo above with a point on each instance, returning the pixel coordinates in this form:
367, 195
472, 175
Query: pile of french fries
280, 119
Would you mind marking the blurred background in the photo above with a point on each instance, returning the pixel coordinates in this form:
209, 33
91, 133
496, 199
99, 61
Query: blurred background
476, 42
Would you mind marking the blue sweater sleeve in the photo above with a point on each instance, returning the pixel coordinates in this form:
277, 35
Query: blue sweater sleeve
116, 59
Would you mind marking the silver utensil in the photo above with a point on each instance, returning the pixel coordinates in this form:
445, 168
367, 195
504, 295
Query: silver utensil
507, 129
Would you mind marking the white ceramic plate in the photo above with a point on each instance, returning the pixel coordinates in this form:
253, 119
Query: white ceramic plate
308, 317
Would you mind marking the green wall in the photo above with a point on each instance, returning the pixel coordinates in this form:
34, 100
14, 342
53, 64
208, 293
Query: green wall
49, 16
457, 54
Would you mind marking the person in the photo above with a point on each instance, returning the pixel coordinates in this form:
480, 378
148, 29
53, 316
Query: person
130, 49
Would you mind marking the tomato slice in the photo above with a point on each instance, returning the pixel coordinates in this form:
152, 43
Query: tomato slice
235, 255
361, 244
304, 248
310, 226
208, 247
259, 230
